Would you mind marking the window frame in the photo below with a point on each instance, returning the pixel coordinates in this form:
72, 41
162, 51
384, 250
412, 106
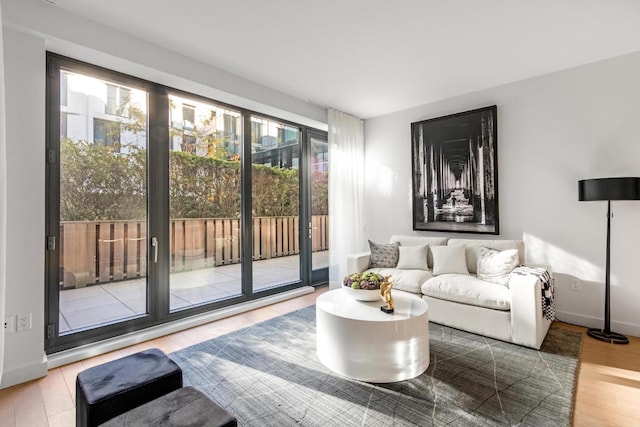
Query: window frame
158, 116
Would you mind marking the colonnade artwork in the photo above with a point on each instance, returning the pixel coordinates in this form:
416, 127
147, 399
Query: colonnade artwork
455, 179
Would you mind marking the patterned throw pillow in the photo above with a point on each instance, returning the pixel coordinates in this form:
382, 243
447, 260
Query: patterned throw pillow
383, 255
495, 266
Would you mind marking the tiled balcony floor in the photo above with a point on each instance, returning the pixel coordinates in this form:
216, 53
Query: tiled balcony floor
94, 305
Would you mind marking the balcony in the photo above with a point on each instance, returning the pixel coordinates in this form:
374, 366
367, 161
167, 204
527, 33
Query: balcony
103, 266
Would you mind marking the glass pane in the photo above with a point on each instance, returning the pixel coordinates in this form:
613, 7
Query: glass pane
204, 203
103, 208
276, 203
319, 204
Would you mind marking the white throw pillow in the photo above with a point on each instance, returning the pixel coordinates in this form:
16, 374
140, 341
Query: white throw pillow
495, 266
449, 260
413, 257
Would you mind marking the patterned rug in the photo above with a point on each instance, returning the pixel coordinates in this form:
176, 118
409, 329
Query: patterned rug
269, 375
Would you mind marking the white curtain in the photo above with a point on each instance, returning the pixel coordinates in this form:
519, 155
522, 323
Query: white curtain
3, 197
346, 184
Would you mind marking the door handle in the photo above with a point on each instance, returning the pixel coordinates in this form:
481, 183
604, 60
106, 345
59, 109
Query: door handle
154, 243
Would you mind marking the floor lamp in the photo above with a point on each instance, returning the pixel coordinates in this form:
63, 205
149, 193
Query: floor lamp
608, 189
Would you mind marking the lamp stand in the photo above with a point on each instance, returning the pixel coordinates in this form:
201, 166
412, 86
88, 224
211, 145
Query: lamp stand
606, 334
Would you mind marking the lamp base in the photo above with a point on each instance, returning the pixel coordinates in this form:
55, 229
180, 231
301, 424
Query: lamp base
611, 337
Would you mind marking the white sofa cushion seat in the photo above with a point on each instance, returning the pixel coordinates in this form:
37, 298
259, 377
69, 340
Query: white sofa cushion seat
405, 280
469, 290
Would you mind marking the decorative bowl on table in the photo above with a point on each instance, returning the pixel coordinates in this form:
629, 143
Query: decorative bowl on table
364, 286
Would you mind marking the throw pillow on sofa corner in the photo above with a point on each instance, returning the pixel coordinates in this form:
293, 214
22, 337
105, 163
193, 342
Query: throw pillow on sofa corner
413, 257
383, 255
495, 266
449, 259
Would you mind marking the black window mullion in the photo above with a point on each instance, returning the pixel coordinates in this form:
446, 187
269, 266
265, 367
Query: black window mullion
52, 203
305, 206
247, 206
158, 204
318, 276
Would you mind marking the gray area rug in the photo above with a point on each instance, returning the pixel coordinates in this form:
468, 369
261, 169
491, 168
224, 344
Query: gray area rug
269, 375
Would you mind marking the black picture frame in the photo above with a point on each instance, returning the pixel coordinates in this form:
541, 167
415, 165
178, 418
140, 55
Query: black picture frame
454, 161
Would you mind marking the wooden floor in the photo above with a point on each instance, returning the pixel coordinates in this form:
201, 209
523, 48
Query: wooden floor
608, 386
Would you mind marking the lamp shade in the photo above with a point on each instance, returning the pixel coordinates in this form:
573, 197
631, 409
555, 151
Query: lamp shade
609, 189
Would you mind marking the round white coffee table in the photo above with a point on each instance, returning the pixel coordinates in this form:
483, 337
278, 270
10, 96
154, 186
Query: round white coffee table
357, 340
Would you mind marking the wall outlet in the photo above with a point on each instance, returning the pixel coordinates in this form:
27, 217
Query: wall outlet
576, 284
24, 322
9, 324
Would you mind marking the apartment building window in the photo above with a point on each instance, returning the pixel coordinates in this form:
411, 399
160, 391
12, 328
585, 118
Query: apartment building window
189, 142
188, 116
287, 135
64, 133
63, 89
118, 98
256, 133
230, 127
107, 132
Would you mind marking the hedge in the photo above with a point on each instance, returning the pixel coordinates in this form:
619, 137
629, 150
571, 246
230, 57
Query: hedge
98, 184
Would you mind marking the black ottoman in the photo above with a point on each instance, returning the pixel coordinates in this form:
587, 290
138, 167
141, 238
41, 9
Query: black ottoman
110, 389
183, 407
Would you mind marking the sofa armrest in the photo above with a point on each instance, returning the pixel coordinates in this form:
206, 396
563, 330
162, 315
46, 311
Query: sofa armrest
545, 266
528, 324
357, 263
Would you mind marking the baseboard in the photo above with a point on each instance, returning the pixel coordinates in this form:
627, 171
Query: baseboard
95, 349
23, 373
594, 322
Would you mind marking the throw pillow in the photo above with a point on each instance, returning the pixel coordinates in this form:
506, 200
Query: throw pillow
413, 257
383, 255
449, 259
495, 266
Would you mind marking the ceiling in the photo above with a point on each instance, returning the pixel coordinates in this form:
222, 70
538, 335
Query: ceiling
373, 57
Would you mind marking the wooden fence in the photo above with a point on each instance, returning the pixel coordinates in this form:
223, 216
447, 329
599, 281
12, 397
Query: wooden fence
93, 252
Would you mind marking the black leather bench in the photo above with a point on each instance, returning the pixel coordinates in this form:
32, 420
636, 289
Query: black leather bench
108, 390
180, 408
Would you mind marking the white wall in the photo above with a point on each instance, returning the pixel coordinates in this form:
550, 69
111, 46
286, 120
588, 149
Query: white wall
90, 41
31, 27
552, 131
25, 85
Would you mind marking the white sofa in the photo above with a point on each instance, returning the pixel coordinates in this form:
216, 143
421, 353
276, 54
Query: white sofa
510, 313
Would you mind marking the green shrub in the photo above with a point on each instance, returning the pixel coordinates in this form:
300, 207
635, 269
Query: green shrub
97, 183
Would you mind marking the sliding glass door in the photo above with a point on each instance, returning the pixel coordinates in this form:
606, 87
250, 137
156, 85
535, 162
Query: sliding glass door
275, 195
164, 204
319, 195
102, 202
205, 221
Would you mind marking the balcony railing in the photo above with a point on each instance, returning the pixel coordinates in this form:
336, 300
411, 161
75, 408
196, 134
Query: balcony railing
95, 252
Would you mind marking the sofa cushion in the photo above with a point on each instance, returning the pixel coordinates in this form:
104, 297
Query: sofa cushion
496, 266
383, 254
501, 245
413, 257
468, 290
449, 260
421, 240
405, 280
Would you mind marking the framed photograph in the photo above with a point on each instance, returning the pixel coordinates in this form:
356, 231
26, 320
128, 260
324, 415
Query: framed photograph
455, 172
